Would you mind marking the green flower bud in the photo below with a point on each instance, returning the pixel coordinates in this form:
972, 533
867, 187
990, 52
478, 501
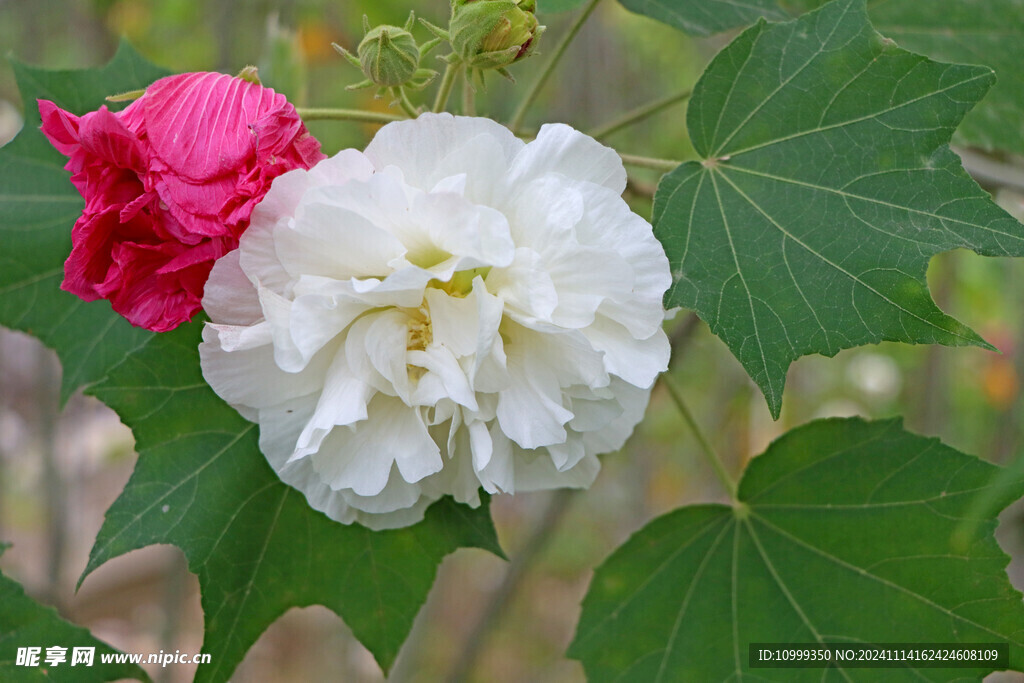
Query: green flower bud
390, 58
388, 55
492, 34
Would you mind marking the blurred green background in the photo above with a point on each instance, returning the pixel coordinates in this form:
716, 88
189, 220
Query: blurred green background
486, 619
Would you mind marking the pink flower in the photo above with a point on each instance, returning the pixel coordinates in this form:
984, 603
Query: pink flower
169, 185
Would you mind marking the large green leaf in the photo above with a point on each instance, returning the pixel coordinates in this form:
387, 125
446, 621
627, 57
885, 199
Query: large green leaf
989, 32
257, 547
826, 186
844, 535
37, 208
705, 17
25, 623
200, 482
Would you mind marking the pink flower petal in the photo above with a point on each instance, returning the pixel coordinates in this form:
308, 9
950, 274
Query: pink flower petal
200, 123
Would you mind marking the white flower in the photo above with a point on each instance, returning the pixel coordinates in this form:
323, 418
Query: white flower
451, 309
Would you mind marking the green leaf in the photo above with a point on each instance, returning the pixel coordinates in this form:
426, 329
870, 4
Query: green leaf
256, 546
989, 32
26, 623
38, 206
826, 186
705, 17
844, 535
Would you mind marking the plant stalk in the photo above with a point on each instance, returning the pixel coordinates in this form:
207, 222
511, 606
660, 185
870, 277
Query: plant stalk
664, 165
639, 114
531, 94
468, 97
447, 82
407, 106
558, 505
716, 462
314, 114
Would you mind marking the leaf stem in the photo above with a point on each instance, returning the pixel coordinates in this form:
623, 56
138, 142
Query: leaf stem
468, 97
307, 114
407, 106
716, 462
664, 165
639, 114
531, 94
447, 82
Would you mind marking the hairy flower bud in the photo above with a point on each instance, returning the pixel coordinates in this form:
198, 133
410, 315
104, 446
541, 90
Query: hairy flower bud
492, 34
388, 55
390, 58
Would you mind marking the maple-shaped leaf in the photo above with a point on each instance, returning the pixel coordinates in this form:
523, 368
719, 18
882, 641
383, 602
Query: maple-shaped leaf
255, 544
845, 532
38, 206
705, 17
24, 624
826, 184
989, 32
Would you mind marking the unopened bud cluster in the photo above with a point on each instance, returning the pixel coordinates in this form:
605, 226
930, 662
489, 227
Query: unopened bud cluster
484, 35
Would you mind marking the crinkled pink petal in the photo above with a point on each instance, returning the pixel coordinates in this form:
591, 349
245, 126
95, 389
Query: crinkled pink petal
169, 184
196, 205
274, 130
60, 127
103, 136
207, 251
199, 123
89, 271
149, 299
304, 152
133, 206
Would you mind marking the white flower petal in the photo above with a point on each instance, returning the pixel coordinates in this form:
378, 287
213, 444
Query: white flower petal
376, 348
525, 286
419, 146
343, 401
288, 189
560, 149
331, 241
536, 472
638, 361
439, 361
316, 320
231, 294
241, 377
361, 456
453, 309
614, 434
498, 473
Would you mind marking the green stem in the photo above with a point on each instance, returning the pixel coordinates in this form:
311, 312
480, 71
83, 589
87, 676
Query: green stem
639, 114
531, 94
407, 106
665, 165
447, 82
705, 445
468, 97
347, 115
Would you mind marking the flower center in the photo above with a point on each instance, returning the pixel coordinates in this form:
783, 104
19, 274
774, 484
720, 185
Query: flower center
461, 283
420, 333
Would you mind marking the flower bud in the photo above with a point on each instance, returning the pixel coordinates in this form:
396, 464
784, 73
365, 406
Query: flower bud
492, 34
390, 58
388, 55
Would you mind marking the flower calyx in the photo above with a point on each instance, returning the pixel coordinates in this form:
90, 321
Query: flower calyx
390, 58
493, 34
